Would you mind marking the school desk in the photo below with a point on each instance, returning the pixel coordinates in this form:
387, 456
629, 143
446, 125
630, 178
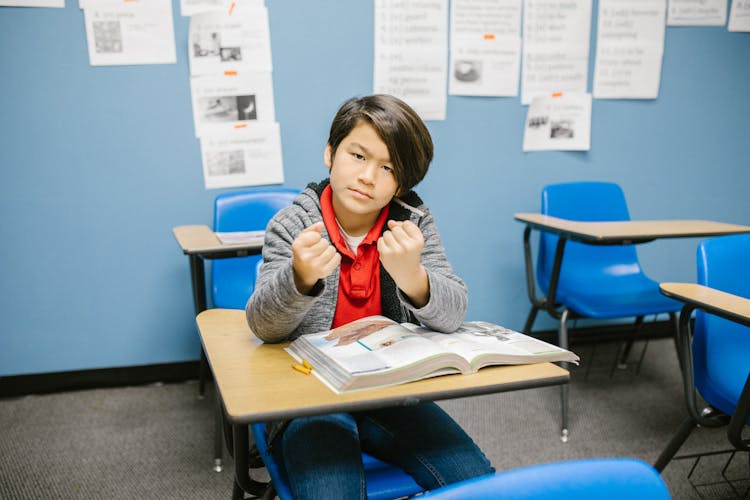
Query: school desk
609, 233
256, 383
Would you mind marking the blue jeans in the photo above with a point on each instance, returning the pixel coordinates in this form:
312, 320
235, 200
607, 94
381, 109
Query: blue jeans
322, 454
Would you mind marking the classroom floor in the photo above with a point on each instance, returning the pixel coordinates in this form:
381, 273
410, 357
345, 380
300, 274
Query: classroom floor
156, 441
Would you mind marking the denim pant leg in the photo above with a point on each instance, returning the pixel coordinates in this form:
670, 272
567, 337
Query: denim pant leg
424, 441
322, 457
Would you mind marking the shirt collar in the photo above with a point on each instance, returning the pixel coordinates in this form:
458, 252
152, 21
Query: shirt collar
329, 219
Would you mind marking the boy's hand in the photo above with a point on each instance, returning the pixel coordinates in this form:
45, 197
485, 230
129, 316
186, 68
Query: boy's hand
313, 258
400, 250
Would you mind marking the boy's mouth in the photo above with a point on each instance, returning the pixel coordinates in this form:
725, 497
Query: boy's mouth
360, 194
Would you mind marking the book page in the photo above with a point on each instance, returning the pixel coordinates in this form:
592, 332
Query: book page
478, 338
372, 344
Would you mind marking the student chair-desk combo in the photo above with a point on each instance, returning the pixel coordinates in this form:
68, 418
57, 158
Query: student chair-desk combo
724, 305
611, 233
256, 383
200, 243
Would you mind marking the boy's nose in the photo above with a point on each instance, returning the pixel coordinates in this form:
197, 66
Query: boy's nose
367, 174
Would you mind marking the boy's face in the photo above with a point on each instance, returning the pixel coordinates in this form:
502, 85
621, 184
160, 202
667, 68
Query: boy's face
362, 178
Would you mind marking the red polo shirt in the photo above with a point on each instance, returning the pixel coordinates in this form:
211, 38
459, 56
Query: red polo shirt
359, 283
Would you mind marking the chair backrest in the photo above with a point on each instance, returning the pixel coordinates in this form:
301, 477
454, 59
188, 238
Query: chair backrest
584, 264
611, 478
721, 348
233, 280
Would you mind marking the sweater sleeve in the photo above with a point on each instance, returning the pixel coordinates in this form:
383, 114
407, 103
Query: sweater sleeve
446, 308
276, 307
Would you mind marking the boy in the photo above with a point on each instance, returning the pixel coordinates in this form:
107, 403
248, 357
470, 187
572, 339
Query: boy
358, 244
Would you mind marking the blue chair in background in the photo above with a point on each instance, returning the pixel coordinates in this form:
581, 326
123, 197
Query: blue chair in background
716, 360
610, 478
594, 281
233, 280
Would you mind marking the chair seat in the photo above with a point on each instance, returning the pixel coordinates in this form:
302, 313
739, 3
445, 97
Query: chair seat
610, 478
632, 295
384, 481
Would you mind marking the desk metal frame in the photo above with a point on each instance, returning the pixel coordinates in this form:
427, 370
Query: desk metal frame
200, 243
257, 384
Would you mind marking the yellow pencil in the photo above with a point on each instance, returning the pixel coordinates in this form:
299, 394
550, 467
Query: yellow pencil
302, 369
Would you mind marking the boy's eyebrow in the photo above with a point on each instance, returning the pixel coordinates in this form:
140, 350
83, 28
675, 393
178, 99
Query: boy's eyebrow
368, 152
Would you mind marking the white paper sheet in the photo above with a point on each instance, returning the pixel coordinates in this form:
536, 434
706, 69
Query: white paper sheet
33, 3
228, 101
485, 47
697, 13
556, 47
121, 32
560, 121
192, 7
411, 42
247, 156
629, 49
739, 16
223, 41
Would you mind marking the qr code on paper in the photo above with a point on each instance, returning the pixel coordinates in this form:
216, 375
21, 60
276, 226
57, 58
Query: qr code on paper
107, 37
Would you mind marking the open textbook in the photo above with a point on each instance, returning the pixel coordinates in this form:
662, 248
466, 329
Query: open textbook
378, 352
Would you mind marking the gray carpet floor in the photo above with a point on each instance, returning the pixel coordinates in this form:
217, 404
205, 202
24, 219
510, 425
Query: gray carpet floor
156, 441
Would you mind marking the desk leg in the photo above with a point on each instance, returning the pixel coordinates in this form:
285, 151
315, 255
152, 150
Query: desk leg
565, 388
218, 433
198, 277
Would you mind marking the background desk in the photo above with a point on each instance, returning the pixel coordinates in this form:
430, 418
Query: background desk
726, 305
200, 243
607, 233
257, 383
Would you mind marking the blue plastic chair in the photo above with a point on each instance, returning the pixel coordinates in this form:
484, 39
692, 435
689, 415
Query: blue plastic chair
233, 279
717, 361
595, 281
384, 481
610, 478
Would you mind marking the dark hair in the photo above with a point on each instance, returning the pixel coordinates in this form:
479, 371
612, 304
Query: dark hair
400, 128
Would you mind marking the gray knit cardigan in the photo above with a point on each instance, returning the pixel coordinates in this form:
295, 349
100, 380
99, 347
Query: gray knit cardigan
277, 311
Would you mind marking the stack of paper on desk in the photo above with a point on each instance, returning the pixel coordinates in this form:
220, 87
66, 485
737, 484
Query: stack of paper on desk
244, 237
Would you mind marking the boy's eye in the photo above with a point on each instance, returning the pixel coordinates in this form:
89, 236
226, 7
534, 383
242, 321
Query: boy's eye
358, 156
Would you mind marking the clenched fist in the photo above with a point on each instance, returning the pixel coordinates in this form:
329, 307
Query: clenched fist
313, 258
400, 250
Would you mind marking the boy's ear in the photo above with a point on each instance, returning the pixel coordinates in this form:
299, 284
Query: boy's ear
327, 156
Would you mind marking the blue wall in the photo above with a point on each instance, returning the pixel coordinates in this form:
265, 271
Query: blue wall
97, 164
